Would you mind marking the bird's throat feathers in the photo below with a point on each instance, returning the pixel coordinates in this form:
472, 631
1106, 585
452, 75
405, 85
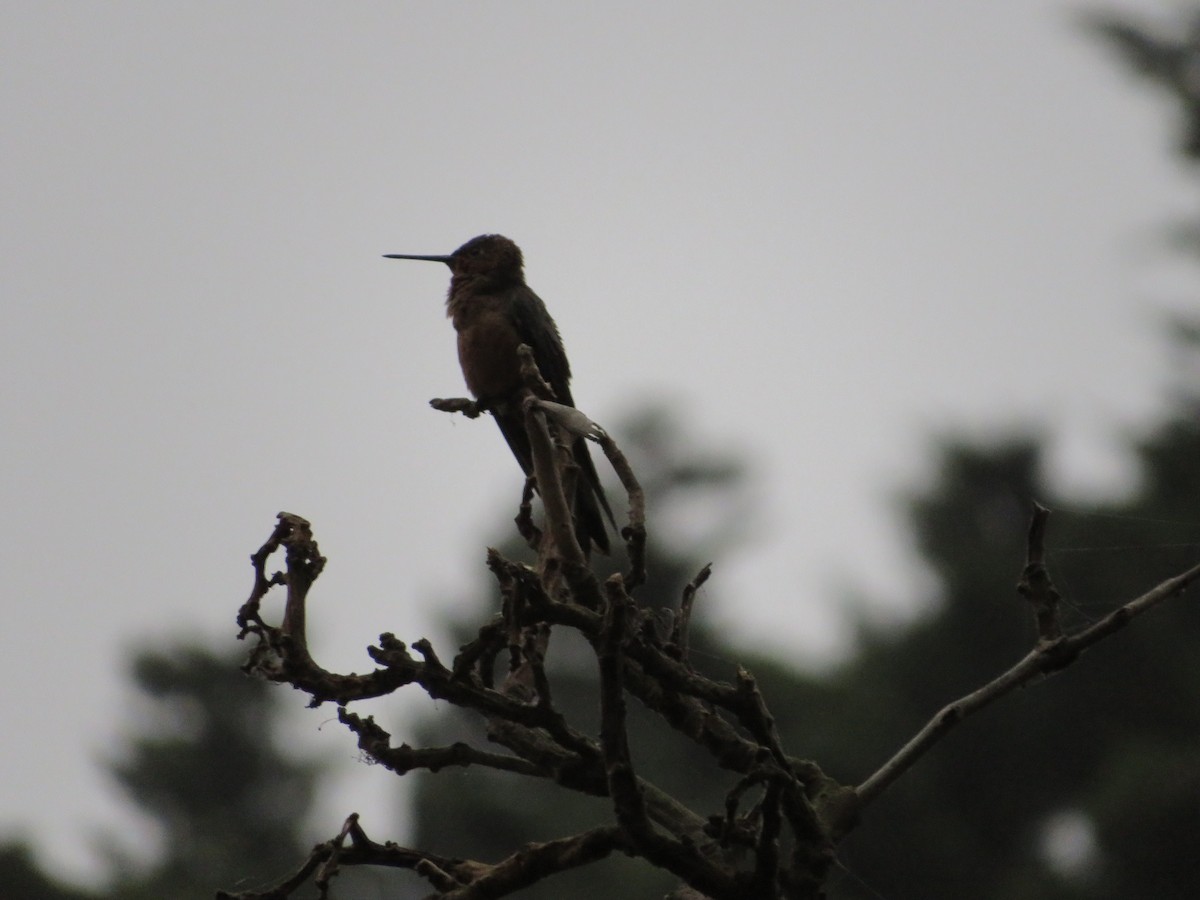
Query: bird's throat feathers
468, 304
479, 291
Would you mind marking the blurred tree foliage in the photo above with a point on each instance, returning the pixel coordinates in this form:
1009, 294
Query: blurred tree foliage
1085, 786
206, 769
24, 879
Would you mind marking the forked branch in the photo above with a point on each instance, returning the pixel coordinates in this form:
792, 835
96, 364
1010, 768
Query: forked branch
1053, 652
782, 818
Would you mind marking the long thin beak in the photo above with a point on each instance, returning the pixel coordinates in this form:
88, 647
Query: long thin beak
441, 259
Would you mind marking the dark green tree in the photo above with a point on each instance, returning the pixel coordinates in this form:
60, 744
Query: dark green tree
209, 772
1042, 795
1088, 786
205, 767
24, 879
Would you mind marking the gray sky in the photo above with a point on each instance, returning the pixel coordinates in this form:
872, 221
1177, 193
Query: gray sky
823, 232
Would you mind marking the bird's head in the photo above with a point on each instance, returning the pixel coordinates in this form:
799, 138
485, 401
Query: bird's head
490, 259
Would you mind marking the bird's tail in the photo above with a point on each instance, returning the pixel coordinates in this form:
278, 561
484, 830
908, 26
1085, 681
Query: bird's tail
589, 501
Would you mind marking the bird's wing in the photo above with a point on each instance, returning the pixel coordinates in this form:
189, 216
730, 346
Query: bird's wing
538, 330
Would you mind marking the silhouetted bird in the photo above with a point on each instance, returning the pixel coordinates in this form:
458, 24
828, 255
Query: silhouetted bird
494, 312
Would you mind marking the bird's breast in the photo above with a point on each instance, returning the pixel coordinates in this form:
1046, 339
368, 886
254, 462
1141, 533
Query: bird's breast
487, 352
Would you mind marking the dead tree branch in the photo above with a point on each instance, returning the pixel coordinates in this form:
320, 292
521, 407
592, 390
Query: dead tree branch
783, 817
1053, 652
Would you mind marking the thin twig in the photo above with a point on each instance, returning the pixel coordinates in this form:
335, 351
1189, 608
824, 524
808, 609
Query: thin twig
472, 409
614, 742
1035, 584
1046, 658
634, 534
524, 518
376, 743
766, 867
554, 502
683, 621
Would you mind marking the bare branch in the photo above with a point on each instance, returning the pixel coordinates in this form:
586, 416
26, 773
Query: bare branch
571, 419
1035, 584
1047, 657
683, 621
614, 743
445, 873
524, 518
533, 862
469, 408
634, 534
766, 868
375, 742
554, 501
780, 847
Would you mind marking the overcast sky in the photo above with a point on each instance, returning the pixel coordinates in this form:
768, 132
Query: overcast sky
823, 233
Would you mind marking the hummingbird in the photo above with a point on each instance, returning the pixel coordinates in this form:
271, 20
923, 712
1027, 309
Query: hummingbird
494, 311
